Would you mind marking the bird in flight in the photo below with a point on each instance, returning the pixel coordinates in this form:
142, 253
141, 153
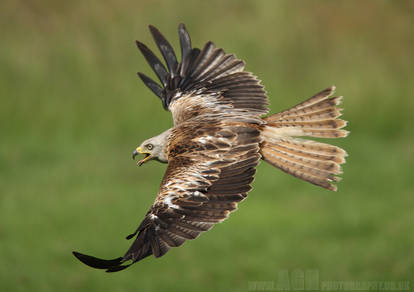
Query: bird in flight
220, 134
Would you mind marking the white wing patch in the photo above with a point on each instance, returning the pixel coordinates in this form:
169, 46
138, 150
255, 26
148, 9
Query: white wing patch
168, 201
204, 140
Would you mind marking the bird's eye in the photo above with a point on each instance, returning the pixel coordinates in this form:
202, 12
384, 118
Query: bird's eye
149, 146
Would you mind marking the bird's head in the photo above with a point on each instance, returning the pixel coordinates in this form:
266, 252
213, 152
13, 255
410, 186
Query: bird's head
153, 148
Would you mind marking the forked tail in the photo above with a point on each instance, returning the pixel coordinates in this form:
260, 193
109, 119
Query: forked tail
315, 162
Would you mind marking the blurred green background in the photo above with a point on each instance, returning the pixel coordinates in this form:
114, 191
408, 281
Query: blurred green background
72, 110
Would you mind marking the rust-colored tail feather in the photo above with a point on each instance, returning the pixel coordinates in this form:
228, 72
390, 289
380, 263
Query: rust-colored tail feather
312, 161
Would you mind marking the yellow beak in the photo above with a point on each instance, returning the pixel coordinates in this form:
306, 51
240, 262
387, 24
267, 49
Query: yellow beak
140, 151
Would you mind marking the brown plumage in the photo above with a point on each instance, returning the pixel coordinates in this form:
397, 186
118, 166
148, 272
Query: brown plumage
315, 162
218, 139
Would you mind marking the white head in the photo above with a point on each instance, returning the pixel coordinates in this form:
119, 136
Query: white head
153, 148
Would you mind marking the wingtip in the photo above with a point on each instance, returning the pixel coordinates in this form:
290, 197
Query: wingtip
153, 29
97, 263
152, 85
154, 62
141, 75
210, 44
166, 49
140, 45
181, 26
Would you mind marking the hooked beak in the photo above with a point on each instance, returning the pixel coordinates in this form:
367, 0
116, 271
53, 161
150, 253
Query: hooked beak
139, 151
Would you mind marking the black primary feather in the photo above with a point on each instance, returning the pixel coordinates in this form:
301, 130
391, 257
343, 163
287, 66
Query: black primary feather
166, 50
191, 60
151, 84
97, 263
202, 60
185, 43
155, 63
114, 265
198, 69
177, 72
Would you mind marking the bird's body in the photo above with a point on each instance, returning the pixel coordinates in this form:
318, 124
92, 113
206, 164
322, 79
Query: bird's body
218, 138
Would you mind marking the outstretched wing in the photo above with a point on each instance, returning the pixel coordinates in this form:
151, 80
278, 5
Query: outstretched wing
204, 82
213, 149
210, 169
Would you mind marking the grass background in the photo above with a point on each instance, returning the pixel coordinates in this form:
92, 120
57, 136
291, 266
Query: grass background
72, 109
